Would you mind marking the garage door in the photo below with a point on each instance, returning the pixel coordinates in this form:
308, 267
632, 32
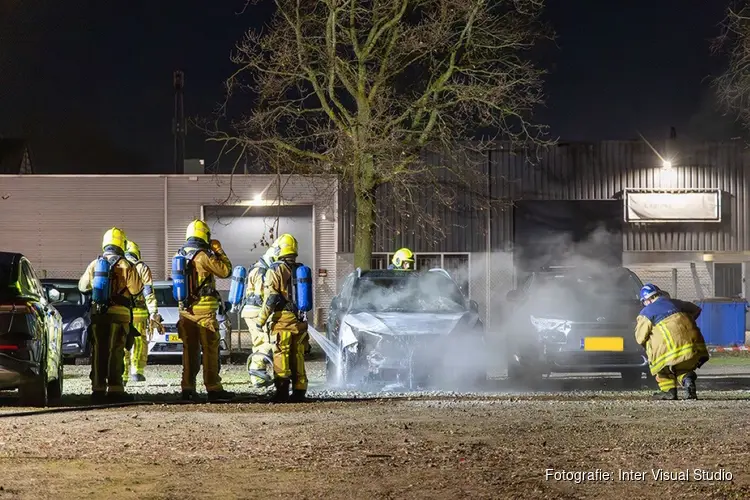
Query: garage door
242, 230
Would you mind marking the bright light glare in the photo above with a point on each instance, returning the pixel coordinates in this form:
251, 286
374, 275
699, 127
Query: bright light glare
258, 197
666, 164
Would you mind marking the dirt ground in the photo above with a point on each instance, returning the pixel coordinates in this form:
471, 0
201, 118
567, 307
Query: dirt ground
498, 445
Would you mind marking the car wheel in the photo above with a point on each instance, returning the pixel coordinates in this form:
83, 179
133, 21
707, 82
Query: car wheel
632, 379
33, 389
524, 376
55, 388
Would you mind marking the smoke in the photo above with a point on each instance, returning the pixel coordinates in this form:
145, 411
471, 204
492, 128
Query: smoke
422, 332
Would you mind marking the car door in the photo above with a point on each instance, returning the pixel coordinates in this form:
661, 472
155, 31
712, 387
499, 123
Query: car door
53, 321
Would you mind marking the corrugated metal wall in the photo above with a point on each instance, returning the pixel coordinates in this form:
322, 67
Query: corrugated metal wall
583, 171
58, 221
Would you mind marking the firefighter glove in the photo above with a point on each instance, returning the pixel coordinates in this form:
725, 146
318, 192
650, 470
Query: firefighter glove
216, 246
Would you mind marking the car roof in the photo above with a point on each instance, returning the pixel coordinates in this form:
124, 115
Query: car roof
572, 271
9, 258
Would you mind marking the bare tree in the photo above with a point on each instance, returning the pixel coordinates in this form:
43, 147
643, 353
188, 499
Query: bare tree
733, 86
361, 89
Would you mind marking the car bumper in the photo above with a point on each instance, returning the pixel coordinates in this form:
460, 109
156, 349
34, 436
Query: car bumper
160, 348
15, 366
74, 343
555, 359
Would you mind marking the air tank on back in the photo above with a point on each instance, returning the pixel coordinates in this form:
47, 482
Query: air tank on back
303, 276
100, 286
179, 278
237, 286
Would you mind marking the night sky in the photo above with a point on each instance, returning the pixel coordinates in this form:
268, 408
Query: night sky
90, 82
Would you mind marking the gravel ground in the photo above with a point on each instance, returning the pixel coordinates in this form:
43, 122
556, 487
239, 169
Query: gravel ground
494, 444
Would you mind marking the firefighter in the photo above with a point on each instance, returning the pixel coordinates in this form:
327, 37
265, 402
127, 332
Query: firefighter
674, 345
262, 356
403, 259
280, 317
198, 327
145, 317
110, 322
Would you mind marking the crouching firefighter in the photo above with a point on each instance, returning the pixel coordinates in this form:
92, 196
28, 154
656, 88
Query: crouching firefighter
145, 318
282, 319
260, 362
403, 259
194, 270
113, 282
674, 345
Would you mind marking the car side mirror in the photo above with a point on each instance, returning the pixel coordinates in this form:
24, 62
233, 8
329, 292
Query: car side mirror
513, 296
474, 306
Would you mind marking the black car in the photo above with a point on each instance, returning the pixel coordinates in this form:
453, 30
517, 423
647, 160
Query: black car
30, 334
75, 309
575, 320
413, 328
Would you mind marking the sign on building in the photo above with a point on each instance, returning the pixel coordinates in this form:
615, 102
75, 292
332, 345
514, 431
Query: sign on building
673, 206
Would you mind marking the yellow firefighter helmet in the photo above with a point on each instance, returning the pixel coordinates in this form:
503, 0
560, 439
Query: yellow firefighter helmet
132, 248
114, 237
286, 246
403, 259
198, 229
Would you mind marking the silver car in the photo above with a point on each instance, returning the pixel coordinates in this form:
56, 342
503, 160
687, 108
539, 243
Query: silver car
168, 344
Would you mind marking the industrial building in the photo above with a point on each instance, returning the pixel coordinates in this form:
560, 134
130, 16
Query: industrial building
687, 222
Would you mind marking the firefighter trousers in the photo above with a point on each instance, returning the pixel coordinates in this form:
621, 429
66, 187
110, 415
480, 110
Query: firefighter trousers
196, 337
138, 355
107, 363
262, 356
673, 376
289, 358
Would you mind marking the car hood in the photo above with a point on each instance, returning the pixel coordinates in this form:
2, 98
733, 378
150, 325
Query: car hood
608, 312
170, 315
70, 312
401, 323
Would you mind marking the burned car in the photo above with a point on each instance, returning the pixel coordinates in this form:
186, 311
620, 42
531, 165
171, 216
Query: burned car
416, 329
575, 320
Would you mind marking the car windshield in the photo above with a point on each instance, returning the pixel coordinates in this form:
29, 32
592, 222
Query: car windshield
426, 293
69, 294
164, 297
618, 286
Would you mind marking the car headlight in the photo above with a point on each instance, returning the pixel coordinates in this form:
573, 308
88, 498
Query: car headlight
77, 324
543, 325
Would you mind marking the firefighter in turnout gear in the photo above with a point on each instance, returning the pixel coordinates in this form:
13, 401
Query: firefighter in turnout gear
403, 259
145, 317
260, 362
674, 344
280, 318
198, 327
110, 322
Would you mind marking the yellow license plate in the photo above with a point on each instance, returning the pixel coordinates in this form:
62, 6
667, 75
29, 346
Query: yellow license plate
603, 344
173, 338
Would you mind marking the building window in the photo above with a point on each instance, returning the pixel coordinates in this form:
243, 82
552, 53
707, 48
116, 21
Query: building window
727, 280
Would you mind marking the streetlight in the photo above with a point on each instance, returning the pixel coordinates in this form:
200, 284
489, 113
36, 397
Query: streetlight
666, 164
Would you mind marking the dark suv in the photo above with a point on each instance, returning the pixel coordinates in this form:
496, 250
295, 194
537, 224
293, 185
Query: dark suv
575, 320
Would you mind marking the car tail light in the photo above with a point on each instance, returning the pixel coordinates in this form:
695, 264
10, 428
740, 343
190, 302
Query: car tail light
8, 347
15, 307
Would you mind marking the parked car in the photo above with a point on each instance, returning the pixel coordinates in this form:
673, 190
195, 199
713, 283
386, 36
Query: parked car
168, 344
575, 320
416, 328
30, 334
75, 309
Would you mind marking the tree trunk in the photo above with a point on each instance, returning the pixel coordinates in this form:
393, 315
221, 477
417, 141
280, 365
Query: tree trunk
364, 227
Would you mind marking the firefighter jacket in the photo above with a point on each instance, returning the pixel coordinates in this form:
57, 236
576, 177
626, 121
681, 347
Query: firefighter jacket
279, 307
126, 283
145, 302
206, 266
254, 292
667, 329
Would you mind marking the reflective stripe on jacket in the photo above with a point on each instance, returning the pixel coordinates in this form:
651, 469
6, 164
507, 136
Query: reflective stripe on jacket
667, 329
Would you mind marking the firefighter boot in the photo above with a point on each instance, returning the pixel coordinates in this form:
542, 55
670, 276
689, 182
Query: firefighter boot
282, 389
669, 395
298, 396
190, 396
222, 395
688, 384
